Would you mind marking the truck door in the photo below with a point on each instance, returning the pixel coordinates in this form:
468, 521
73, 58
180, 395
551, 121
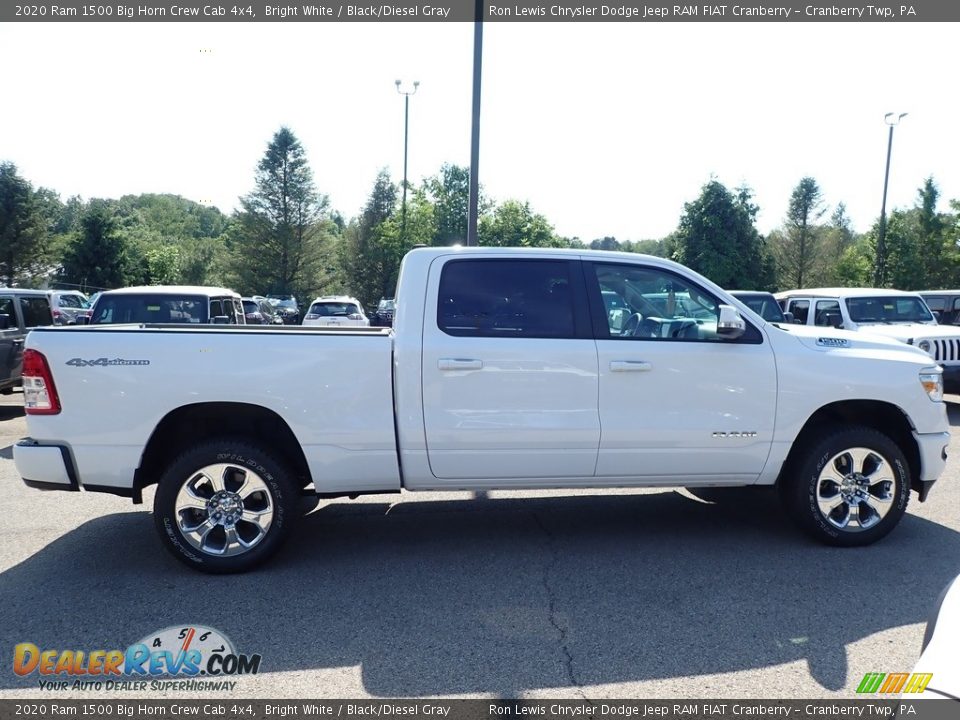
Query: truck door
509, 370
678, 404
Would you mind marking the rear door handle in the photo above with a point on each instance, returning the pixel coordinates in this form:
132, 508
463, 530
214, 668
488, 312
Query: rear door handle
459, 364
630, 366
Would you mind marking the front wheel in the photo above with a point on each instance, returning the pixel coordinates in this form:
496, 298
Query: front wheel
850, 487
225, 506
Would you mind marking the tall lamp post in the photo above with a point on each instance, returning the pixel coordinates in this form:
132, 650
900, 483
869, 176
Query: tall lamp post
880, 272
406, 127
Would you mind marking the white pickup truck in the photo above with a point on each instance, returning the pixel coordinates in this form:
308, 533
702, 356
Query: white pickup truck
505, 369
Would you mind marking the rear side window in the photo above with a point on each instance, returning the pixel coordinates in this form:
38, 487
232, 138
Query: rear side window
506, 298
826, 308
36, 311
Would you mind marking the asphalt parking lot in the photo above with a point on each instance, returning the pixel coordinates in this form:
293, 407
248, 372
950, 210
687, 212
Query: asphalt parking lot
589, 594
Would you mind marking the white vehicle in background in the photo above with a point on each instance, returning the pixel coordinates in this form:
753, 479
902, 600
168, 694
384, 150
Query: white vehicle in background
336, 311
903, 316
196, 304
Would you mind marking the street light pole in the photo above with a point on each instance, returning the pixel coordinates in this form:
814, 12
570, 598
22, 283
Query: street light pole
880, 272
406, 127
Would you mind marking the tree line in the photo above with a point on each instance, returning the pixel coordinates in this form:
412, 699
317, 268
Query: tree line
286, 239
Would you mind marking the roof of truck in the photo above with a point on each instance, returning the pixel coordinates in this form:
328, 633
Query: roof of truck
840, 292
173, 290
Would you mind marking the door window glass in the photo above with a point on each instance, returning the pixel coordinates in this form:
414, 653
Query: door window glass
36, 311
825, 310
506, 298
653, 304
6, 308
800, 310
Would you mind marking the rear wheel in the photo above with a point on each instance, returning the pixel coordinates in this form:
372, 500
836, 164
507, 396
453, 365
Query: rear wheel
850, 487
225, 506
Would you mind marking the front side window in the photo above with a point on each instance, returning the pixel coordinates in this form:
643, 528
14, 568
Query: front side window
827, 314
506, 298
644, 303
36, 311
800, 310
6, 308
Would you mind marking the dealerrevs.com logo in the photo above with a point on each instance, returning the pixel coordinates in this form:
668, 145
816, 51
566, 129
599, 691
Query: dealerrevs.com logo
200, 658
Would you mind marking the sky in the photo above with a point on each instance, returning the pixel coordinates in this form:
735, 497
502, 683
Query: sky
604, 128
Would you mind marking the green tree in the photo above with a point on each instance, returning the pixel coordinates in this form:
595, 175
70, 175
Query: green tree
514, 224
97, 257
717, 238
282, 231
449, 192
373, 245
797, 244
24, 228
605, 243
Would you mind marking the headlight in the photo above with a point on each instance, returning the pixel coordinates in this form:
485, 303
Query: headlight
933, 384
924, 345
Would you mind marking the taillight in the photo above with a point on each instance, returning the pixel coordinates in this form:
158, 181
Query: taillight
39, 393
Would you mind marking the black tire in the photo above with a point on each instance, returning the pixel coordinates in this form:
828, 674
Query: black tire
270, 491
807, 488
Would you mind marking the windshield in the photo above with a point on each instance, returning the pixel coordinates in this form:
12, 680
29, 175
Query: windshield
149, 309
891, 309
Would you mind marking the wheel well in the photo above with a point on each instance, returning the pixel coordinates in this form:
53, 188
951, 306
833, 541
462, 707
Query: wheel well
881, 416
193, 424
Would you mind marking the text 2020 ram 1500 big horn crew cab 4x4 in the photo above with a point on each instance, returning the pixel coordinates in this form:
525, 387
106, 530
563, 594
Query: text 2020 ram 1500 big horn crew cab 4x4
506, 368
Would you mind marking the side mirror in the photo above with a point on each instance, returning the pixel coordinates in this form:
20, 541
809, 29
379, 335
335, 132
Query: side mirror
788, 317
936, 315
730, 324
4, 321
220, 320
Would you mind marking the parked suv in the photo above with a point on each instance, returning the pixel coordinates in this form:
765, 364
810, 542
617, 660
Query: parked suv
896, 314
336, 310
945, 303
20, 310
285, 306
68, 305
169, 304
383, 315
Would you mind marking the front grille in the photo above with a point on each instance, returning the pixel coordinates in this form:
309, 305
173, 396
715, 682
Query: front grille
946, 349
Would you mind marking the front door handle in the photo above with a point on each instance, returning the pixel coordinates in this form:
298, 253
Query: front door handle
630, 366
459, 364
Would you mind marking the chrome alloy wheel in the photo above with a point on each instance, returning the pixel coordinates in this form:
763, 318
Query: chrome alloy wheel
224, 509
855, 489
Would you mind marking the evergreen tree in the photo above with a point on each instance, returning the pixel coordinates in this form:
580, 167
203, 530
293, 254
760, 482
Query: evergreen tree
449, 191
24, 228
96, 258
797, 249
282, 231
718, 239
